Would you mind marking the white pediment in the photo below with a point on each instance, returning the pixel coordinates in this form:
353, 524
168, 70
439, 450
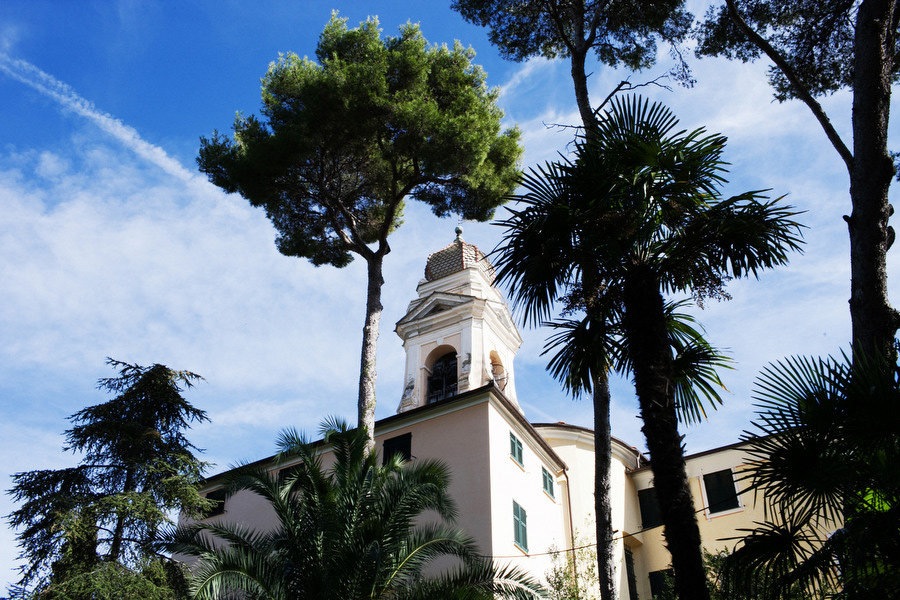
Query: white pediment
434, 304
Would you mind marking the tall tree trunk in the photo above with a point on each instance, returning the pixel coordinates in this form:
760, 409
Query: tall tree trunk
645, 330
582, 99
874, 321
367, 372
606, 566
603, 530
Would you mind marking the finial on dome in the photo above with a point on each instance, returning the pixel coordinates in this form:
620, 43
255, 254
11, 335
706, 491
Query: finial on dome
459, 231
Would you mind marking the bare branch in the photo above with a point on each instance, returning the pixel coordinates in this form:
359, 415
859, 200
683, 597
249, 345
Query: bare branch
800, 89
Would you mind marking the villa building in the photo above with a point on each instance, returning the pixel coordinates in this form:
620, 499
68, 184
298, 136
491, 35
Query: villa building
522, 489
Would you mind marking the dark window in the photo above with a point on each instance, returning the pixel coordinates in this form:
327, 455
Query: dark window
548, 482
515, 448
650, 515
520, 526
402, 445
629, 573
662, 582
218, 497
720, 492
443, 379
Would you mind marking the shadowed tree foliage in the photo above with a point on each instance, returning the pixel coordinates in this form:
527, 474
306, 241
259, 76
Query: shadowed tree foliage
353, 530
137, 466
344, 141
618, 33
818, 47
652, 221
826, 438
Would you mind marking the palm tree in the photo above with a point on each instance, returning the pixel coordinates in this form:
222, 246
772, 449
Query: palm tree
351, 531
548, 228
636, 214
826, 437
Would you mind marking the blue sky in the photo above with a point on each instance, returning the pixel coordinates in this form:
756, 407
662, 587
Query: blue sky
111, 244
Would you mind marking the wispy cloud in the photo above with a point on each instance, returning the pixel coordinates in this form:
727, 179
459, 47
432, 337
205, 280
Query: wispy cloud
50, 87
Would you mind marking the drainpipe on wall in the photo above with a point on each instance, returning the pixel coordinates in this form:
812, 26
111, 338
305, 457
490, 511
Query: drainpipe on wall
571, 532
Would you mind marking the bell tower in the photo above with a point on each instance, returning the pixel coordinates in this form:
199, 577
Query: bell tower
458, 334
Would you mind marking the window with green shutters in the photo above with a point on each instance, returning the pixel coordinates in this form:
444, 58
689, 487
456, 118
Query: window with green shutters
515, 448
520, 526
548, 482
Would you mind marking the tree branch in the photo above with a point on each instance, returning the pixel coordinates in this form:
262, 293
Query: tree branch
626, 86
801, 90
559, 23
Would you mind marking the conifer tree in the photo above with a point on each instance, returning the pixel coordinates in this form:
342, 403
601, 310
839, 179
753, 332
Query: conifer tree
136, 467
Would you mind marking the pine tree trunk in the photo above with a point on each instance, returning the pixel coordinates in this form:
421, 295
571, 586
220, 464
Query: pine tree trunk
645, 329
579, 78
367, 372
874, 321
606, 566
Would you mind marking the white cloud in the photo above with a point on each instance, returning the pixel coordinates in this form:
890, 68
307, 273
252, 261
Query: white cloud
9, 36
47, 85
132, 255
798, 309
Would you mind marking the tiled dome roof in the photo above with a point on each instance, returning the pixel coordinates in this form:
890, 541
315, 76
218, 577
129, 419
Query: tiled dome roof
459, 255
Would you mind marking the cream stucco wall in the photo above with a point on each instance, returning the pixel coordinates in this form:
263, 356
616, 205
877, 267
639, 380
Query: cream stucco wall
460, 438
575, 445
546, 517
714, 527
471, 436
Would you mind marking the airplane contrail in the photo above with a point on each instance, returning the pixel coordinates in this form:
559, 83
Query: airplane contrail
50, 87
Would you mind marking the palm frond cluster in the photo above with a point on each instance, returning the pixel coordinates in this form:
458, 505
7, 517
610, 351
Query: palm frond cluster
826, 443
350, 530
639, 197
609, 236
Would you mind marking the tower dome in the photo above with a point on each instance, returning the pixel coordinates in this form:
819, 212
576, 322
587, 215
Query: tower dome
457, 256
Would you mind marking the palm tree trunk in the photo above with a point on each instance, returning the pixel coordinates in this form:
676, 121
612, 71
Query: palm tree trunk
367, 373
645, 330
606, 566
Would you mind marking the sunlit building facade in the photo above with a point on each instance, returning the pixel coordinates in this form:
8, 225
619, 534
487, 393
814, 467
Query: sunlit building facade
523, 490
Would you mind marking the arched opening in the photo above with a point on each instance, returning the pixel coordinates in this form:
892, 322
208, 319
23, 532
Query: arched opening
442, 378
497, 371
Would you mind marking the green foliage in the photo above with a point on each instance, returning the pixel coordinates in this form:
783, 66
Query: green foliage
722, 589
154, 580
644, 195
825, 465
573, 574
137, 467
350, 531
816, 37
638, 213
341, 142
621, 33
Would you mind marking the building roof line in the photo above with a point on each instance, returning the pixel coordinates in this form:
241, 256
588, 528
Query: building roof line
419, 412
